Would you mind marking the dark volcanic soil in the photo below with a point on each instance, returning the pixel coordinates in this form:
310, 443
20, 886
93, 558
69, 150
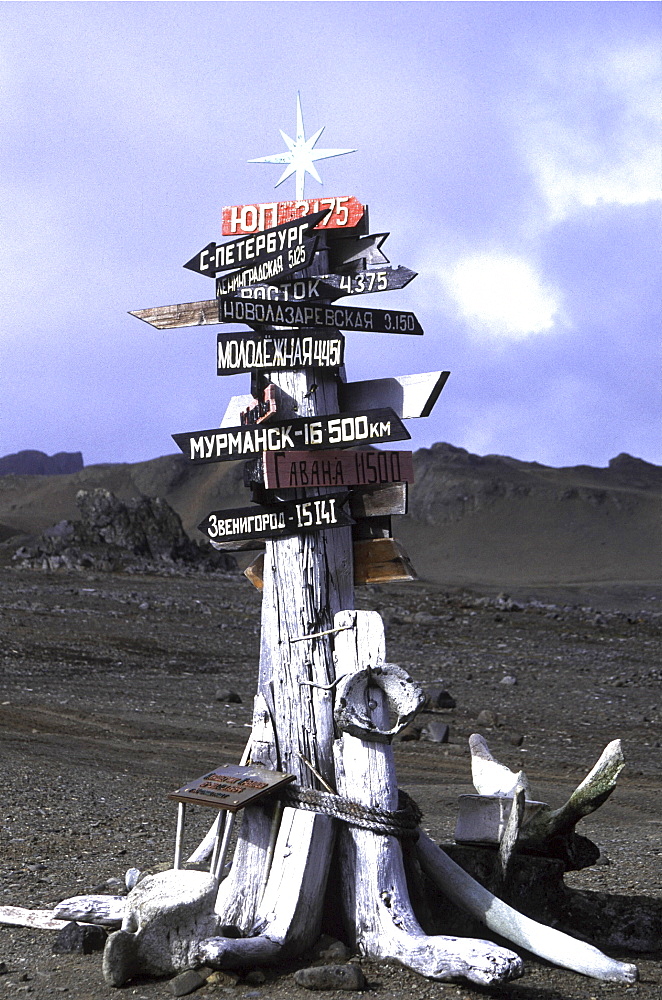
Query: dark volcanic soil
108, 703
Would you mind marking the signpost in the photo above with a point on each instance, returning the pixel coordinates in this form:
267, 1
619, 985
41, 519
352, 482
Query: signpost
311, 315
278, 520
343, 429
343, 212
350, 467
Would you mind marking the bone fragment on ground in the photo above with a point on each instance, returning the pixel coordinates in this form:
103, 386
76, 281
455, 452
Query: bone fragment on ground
546, 942
105, 910
376, 901
510, 834
42, 920
488, 775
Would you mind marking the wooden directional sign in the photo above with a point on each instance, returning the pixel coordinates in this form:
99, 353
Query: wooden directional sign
277, 520
409, 395
364, 282
245, 352
342, 212
293, 290
326, 287
231, 786
324, 431
284, 264
349, 467
183, 314
312, 315
270, 253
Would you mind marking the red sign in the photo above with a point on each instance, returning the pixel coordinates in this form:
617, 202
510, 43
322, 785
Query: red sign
343, 212
349, 467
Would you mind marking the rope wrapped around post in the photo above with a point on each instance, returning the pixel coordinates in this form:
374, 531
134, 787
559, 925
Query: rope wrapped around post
402, 823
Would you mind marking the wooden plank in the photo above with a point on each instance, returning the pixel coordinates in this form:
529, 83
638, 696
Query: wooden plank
346, 467
312, 315
408, 395
376, 560
214, 445
282, 246
380, 501
365, 282
347, 250
183, 314
342, 212
381, 560
271, 352
279, 520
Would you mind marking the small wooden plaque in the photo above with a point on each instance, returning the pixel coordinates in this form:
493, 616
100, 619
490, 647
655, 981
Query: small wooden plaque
231, 786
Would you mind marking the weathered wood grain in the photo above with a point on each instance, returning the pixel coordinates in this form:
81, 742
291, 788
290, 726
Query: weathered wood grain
184, 314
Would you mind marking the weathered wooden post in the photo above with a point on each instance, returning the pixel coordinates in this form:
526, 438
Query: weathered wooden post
319, 710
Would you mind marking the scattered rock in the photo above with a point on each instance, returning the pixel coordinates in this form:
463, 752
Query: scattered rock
438, 697
410, 732
331, 977
139, 535
188, 981
516, 739
487, 718
255, 977
3, 969
336, 951
435, 732
131, 878
79, 939
508, 680
223, 977
228, 697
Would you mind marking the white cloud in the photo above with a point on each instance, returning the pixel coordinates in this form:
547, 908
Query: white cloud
590, 129
501, 296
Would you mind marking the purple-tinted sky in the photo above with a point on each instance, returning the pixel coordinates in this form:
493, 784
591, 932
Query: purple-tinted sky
511, 149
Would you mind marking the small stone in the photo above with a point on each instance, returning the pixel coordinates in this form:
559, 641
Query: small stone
228, 697
437, 697
508, 680
436, 732
223, 977
335, 952
131, 878
3, 969
331, 977
79, 939
255, 977
487, 718
515, 739
188, 981
412, 731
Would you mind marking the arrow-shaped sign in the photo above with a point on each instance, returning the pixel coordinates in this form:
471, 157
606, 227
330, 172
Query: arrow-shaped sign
408, 395
278, 250
365, 282
312, 315
345, 250
324, 431
277, 520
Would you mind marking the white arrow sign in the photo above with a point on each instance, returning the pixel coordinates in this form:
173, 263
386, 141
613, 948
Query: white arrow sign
409, 395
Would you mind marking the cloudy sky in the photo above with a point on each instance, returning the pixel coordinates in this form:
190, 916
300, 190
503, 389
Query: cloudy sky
510, 149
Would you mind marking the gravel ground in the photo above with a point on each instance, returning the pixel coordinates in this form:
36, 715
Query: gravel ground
108, 702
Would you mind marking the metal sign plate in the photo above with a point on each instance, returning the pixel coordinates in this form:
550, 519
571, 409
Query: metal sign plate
231, 786
350, 467
340, 429
245, 352
282, 245
277, 520
342, 212
312, 315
